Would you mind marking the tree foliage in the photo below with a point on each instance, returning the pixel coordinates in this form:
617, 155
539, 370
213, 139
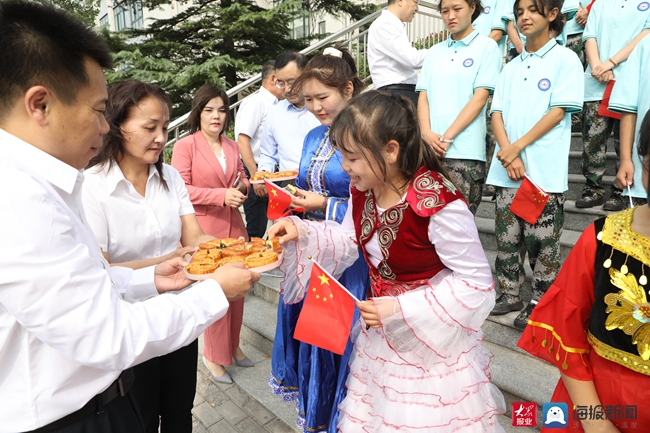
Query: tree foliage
221, 42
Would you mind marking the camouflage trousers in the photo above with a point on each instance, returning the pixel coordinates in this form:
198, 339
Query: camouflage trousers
515, 237
490, 140
574, 43
511, 54
469, 176
596, 130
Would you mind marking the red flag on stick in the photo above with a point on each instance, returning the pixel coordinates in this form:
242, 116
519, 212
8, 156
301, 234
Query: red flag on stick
327, 313
603, 108
529, 202
279, 201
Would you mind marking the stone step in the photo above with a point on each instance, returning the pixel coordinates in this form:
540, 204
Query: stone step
485, 228
574, 218
577, 181
257, 336
533, 380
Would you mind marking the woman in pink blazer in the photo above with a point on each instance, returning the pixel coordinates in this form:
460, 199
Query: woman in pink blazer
210, 165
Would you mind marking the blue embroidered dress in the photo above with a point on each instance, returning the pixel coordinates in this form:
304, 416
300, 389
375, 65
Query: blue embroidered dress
311, 377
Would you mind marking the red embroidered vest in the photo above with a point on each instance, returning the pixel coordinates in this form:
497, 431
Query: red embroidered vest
409, 258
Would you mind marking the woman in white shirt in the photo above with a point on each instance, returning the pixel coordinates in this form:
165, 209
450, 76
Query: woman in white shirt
139, 210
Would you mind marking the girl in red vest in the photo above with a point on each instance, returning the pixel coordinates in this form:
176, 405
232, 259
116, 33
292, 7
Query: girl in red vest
418, 362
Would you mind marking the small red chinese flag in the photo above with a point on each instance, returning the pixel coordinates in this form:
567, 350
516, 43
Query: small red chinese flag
327, 313
279, 201
529, 202
603, 108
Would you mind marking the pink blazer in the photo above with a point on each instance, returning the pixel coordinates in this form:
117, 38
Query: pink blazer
207, 183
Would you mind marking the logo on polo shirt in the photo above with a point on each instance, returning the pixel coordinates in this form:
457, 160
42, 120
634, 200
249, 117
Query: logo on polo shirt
544, 84
468, 62
487, 10
643, 6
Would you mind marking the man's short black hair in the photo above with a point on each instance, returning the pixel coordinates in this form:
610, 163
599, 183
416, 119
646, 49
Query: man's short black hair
287, 57
267, 70
42, 45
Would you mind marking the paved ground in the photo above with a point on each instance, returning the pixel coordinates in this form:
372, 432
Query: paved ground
228, 408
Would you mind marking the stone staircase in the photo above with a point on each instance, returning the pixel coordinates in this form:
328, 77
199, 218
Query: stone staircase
519, 376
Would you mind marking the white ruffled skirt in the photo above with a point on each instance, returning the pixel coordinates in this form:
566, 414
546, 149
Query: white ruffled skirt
387, 393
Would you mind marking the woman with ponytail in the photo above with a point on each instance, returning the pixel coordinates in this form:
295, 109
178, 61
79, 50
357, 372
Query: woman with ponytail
418, 363
312, 377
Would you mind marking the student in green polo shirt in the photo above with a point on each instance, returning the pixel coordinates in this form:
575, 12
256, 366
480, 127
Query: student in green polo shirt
631, 97
531, 116
457, 77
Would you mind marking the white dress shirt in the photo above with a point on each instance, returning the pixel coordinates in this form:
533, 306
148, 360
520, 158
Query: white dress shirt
284, 133
129, 226
391, 57
65, 331
251, 116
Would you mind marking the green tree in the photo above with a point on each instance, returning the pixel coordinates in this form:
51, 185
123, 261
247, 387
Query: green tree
86, 10
221, 42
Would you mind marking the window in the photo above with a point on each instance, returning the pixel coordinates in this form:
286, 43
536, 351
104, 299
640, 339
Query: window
137, 16
128, 16
321, 28
103, 21
300, 26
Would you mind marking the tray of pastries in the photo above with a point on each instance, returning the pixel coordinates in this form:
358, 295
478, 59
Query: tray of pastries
274, 177
258, 255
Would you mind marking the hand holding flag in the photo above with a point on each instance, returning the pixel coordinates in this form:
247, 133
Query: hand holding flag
529, 202
327, 313
279, 201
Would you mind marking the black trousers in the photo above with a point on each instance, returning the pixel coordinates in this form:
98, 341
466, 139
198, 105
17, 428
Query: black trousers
119, 416
411, 94
164, 390
255, 210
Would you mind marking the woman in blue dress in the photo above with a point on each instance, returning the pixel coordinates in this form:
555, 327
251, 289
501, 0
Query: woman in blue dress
312, 377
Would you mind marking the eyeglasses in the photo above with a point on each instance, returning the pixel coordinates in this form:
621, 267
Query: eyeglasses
281, 84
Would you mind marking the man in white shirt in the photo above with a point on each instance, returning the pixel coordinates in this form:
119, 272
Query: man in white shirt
287, 123
391, 57
249, 126
70, 324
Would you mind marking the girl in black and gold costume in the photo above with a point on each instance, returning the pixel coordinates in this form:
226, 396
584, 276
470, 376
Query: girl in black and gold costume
594, 321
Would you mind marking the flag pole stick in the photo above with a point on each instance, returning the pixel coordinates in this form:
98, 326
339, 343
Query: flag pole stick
342, 286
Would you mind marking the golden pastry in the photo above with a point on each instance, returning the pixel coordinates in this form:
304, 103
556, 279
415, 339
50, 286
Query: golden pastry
201, 268
261, 259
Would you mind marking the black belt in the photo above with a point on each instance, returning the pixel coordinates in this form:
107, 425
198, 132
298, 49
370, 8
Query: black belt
120, 387
409, 87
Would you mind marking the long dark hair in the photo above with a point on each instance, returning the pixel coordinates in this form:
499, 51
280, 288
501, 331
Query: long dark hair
122, 97
205, 94
544, 7
332, 71
374, 118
